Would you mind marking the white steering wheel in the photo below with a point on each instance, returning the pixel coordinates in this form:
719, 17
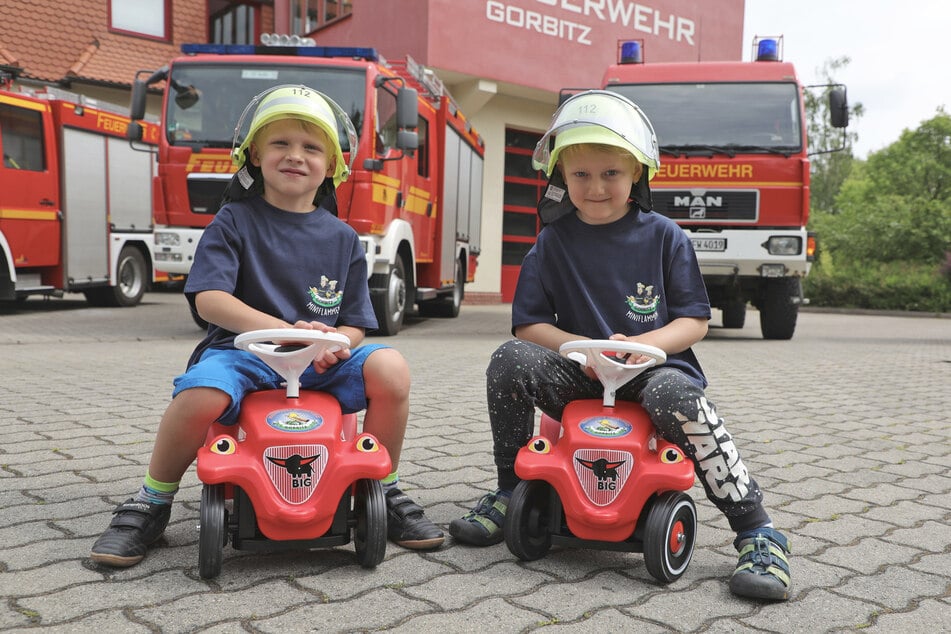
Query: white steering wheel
297, 349
601, 356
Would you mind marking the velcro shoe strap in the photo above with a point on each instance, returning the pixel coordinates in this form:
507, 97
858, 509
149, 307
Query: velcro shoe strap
403, 506
131, 515
764, 555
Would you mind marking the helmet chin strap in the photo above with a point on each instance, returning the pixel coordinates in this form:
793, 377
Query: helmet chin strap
641, 192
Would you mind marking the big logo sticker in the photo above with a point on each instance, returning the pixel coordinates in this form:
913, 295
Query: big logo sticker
602, 473
295, 470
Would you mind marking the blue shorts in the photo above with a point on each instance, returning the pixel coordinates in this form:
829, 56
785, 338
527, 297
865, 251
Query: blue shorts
236, 372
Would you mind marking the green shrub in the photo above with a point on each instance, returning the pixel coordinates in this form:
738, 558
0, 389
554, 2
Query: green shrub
908, 286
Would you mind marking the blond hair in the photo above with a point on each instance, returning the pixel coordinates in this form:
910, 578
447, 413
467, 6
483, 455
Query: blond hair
573, 150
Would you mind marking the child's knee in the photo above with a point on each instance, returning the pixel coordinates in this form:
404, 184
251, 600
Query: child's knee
386, 372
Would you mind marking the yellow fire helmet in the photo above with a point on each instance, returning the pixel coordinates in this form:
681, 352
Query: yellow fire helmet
306, 104
599, 116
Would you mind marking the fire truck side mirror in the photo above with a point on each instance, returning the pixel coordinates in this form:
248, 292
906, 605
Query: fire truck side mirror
407, 141
134, 131
407, 108
838, 108
137, 103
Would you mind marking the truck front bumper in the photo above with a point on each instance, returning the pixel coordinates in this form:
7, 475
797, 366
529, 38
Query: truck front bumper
751, 252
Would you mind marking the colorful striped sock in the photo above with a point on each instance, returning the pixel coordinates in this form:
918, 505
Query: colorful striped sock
155, 492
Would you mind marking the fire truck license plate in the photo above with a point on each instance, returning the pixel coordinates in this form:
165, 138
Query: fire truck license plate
709, 244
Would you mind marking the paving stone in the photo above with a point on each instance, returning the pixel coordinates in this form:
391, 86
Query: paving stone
853, 458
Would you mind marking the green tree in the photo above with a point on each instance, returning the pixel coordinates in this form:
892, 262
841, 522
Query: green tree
889, 245
897, 206
829, 169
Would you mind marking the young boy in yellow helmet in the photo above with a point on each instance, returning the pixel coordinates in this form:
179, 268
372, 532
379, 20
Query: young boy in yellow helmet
606, 267
254, 266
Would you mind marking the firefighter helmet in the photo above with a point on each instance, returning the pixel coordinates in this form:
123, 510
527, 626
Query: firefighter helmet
599, 116
306, 104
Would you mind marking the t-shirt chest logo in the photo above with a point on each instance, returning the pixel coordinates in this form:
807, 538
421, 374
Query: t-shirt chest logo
644, 302
327, 295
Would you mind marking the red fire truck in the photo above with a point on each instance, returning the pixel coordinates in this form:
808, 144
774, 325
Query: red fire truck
734, 172
415, 194
75, 198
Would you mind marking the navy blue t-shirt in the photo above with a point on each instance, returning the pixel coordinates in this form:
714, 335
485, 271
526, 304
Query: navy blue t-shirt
630, 276
294, 266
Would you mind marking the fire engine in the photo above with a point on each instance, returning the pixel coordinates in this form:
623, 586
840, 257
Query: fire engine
414, 196
75, 198
734, 172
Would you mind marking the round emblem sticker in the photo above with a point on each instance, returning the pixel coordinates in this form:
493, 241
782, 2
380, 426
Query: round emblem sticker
294, 420
605, 427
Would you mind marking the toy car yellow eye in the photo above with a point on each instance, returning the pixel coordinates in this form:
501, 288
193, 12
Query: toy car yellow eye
540, 445
367, 444
671, 456
224, 446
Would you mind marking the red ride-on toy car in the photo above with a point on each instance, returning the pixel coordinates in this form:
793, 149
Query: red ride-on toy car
602, 478
296, 473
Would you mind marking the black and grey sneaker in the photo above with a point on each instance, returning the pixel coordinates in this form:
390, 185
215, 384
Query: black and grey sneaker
135, 526
482, 526
762, 571
406, 524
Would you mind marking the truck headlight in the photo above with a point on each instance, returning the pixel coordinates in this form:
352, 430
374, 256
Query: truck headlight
784, 245
165, 239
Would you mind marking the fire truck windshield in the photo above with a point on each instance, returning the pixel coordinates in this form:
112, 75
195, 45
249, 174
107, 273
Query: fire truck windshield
721, 117
206, 100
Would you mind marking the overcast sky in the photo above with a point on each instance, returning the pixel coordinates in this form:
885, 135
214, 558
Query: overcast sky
898, 70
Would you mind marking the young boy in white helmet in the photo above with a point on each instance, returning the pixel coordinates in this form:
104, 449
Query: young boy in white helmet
606, 267
255, 263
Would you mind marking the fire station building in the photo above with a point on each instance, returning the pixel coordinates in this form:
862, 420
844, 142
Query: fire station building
503, 61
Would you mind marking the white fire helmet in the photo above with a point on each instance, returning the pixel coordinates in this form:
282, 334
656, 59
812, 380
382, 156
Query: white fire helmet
306, 104
604, 117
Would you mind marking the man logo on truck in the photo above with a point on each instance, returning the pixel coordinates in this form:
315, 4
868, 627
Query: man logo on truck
697, 204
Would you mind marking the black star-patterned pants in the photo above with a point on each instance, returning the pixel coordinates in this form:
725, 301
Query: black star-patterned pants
523, 376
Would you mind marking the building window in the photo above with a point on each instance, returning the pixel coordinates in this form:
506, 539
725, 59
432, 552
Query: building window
522, 188
148, 18
236, 24
309, 15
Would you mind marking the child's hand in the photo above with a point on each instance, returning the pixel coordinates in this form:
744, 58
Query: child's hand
629, 359
325, 361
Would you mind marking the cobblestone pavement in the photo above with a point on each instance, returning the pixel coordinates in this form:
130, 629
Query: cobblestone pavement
846, 427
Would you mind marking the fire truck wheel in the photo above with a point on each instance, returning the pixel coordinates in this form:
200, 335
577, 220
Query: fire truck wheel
779, 310
447, 305
390, 305
734, 314
131, 281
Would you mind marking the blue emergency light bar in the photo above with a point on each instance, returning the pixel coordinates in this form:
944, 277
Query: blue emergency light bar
768, 49
356, 52
631, 52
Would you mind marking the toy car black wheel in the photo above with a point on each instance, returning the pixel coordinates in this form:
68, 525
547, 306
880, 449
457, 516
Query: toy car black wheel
211, 531
670, 533
369, 532
527, 527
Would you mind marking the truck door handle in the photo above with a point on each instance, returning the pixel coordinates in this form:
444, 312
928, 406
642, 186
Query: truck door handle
46, 202
429, 209
399, 200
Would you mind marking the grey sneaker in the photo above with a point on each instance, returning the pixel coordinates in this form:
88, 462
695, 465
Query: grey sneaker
135, 526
